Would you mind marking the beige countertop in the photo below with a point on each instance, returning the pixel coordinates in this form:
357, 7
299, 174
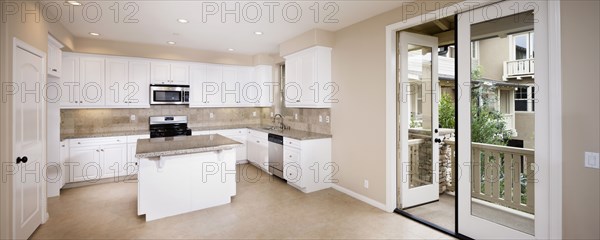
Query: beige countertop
156, 147
295, 134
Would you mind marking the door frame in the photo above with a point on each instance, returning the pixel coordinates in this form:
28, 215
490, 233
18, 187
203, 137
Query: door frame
7, 123
555, 113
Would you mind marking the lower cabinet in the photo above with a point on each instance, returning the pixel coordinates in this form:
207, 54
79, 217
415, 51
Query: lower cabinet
91, 159
307, 164
258, 152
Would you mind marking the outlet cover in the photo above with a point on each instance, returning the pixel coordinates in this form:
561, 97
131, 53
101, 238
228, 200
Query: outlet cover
327, 119
592, 160
132, 117
272, 114
320, 118
254, 114
366, 184
295, 116
212, 115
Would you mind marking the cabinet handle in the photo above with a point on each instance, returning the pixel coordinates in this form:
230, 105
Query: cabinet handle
97, 150
257, 141
78, 142
297, 100
22, 159
290, 156
54, 70
102, 150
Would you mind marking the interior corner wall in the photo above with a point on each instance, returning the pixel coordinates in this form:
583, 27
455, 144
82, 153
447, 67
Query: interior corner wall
580, 43
358, 120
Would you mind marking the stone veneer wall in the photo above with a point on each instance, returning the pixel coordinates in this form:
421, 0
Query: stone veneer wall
308, 119
84, 121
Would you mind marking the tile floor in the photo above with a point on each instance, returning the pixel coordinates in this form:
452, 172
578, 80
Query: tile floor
262, 208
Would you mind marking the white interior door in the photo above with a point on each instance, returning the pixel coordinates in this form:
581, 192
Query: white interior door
418, 120
503, 190
28, 141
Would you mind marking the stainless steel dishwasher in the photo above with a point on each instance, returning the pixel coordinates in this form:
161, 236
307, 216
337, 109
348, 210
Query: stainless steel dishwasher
276, 155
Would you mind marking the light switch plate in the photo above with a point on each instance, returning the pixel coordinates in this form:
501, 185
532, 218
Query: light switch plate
592, 160
272, 114
295, 116
212, 115
254, 114
320, 118
327, 119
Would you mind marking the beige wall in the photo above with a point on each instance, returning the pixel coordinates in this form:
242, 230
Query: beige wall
525, 126
581, 117
492, 54
358, 120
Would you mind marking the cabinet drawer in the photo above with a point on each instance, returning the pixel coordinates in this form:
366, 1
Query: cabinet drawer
258, 134
97, 141
292, 168
259, 141
290, 142
230, 132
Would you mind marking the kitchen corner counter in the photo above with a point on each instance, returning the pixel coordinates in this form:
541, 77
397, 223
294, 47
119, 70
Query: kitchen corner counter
157, 147
291, 133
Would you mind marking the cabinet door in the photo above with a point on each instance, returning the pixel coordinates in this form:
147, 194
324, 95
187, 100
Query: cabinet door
240, 151
264, 74
91, 76
54, 60
160, 73
230, 88
293, 86
263, 154
70, 84
84, 163
131, 164
117, 77
179, 74
212, 86
113, 160
64, 157
197, 80
249, 88
137, 90
252, 149
308, 72
292, 168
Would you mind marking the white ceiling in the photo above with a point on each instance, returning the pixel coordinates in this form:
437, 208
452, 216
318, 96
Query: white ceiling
157, 22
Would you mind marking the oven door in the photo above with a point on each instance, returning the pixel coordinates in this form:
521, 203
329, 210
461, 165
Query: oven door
166, 95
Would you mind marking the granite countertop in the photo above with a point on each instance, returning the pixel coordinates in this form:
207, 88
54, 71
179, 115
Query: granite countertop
295, 134
103, 134
156, 147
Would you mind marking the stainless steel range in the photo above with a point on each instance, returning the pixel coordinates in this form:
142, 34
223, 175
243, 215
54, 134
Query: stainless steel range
169, 126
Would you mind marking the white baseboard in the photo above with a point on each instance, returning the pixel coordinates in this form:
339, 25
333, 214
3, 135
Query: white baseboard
360, 197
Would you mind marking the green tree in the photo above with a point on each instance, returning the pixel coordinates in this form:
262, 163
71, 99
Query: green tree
446, 112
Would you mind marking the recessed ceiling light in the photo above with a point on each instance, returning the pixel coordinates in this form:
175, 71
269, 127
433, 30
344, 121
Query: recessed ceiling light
230, 49
74, 3
171, 42
94, 34
181, 20
258, 33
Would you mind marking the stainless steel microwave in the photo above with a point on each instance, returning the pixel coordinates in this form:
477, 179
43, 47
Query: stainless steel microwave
169, 94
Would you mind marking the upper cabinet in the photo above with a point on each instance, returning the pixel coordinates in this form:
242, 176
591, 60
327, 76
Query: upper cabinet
93, 81
54, 57
214, 85
169, 73
308, 81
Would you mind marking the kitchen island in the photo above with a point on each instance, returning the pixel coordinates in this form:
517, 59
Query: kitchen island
183, 174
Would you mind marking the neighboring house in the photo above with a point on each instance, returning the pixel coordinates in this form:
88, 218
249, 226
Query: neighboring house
506, 64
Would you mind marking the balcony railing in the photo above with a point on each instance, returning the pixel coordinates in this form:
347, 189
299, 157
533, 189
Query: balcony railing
519, 68
500, 175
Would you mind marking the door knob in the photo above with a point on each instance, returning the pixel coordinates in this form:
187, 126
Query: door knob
22, 159
437, 140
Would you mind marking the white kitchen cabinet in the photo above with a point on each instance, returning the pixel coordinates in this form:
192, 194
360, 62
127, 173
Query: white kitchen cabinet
54, 57
239, 135
205, 85
70, 82
263, 77
258, 152
132, 161
307, 164
137, 91
95, 158
117, 77
91, 80
64, 157
308, 81
230, 87
169, 73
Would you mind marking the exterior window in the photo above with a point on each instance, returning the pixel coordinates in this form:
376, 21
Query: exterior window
522, 46
475, 50
525, 99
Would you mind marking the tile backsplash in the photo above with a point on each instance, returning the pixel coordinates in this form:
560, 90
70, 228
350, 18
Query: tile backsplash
83, 121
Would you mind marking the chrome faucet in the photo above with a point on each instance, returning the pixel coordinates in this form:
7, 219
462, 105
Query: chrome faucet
281, 125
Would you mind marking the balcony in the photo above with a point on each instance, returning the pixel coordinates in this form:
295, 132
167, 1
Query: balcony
518, 69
